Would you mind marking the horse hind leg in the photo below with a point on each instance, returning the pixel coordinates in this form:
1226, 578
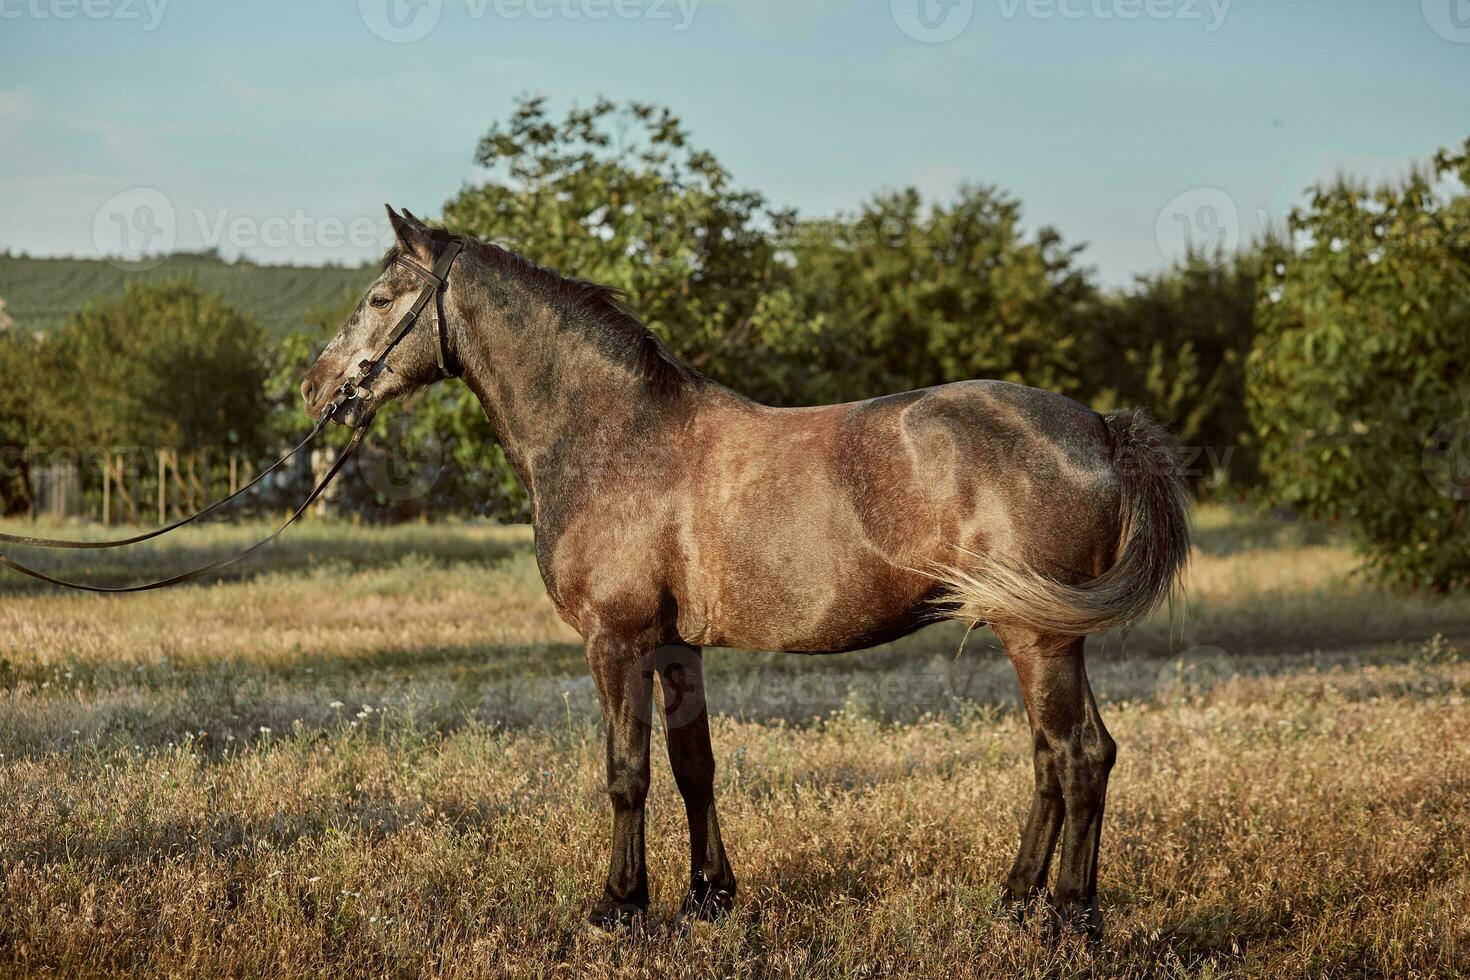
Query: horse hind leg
1026, 881
686, 723
1074, 755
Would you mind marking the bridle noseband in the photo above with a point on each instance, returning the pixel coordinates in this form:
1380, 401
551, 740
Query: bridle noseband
435, 285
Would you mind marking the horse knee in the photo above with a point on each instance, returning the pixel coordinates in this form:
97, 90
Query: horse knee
1048, 771
627, 789
1104, 752
1085, 763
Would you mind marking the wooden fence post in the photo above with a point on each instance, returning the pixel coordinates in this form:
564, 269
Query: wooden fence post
186, 496
162, 487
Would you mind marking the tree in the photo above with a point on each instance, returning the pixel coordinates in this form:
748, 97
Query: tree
1177, 344
1357, 382
164, 365
918, 296
20, 422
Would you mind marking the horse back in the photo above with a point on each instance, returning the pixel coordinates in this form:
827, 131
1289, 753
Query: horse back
810, 529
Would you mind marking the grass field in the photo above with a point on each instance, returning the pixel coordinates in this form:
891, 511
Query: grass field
377, 753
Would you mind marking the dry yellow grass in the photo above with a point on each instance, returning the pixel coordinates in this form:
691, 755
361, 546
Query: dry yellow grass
378, 755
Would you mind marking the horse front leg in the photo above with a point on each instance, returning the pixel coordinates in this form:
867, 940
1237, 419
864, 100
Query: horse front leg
686, 723
623, 673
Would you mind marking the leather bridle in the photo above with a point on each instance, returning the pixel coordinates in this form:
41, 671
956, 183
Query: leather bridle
436, 283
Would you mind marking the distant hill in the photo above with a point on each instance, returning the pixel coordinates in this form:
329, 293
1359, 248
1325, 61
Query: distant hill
40, 294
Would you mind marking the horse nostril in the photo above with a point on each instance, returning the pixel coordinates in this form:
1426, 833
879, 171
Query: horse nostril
307, 390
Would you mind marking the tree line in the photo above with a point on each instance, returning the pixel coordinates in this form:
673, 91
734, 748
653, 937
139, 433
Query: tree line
1317, 370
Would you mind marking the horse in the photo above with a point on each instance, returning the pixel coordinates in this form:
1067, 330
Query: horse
673, 514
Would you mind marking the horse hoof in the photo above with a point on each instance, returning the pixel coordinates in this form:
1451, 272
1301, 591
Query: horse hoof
1081, 919
609, 917
1015, 907
704, 908
705, 902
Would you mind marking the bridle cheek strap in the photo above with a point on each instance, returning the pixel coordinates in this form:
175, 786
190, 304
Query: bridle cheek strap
436, 282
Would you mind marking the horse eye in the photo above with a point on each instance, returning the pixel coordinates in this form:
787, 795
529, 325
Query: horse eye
378, 302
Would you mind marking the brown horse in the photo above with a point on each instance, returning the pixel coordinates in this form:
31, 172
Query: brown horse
672, 513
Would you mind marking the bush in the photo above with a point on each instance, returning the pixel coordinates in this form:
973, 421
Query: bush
165, 365
1177, 343
1357, 383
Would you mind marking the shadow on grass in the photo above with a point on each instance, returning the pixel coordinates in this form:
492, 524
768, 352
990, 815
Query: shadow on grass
372, 817
462, 662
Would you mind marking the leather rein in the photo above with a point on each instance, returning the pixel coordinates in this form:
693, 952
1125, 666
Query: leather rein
436, 281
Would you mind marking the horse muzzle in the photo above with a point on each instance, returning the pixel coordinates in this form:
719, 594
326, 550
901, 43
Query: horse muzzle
350, 402
353, 405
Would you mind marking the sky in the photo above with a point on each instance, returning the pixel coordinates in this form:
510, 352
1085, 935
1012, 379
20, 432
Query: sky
276, 129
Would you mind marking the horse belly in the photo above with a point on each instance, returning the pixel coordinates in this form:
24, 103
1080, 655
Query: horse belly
794, 571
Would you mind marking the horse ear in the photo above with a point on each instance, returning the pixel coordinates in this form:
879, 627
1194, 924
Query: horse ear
411, 233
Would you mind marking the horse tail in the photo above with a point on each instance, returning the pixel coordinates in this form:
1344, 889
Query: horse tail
1153, 550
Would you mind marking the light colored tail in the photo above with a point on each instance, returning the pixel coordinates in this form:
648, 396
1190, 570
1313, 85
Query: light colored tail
1153, 551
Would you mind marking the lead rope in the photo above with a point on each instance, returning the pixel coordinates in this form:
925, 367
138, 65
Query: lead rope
214, 566
436, 281
29, 542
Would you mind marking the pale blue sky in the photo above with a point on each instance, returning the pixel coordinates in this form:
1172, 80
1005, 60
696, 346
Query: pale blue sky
267, 127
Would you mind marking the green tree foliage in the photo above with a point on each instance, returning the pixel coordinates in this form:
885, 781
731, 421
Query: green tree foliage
1358, 384
1177, 343
789, 312
914, 296
901, 294
20, 421
165, 365
619, 196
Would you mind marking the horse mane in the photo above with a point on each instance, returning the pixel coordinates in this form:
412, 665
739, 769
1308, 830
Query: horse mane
604, 308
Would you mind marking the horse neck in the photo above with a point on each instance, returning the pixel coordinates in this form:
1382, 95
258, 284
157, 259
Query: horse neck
559, 395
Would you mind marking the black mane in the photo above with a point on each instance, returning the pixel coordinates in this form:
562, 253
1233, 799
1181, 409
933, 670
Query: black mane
605, 309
